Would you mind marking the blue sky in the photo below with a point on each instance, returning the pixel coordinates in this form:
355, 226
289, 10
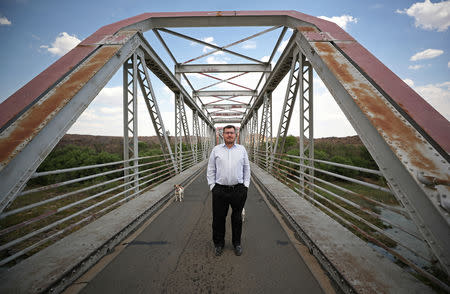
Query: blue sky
410, 37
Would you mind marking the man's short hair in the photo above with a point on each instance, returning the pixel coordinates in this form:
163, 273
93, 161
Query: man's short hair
229, 127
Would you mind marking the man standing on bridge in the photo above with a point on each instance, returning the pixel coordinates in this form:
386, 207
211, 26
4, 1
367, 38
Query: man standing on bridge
228, 178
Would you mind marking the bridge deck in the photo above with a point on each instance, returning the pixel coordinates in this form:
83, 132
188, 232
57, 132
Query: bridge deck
175, 254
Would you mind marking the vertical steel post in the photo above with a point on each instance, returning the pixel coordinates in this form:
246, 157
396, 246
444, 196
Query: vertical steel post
130, 122
196, 134
153, 109
250, 137
179, 131
265, 132
306, 127
202, 138
288, 105
255, 136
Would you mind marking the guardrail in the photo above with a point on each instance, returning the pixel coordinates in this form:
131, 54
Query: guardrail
363, 203
44, 213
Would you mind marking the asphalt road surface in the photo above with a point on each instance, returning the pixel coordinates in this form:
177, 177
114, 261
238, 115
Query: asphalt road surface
175, 254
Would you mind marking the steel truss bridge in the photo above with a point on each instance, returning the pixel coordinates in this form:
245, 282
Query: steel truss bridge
407, 138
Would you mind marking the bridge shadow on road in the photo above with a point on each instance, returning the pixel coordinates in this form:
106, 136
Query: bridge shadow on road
174, 254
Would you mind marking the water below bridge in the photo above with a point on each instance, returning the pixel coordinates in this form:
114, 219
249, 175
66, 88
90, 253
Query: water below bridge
173, 253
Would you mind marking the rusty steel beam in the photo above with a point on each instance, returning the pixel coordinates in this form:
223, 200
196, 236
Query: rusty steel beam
397, 145
432, 123
26, 141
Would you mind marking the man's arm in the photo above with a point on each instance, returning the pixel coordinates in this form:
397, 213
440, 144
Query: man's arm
211, 172
246, 169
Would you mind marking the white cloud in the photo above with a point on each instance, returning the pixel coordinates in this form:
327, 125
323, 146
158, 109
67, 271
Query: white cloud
249, 45
63, 44
213, 60
4, 21
426, 54
448, 64
104, 116
415, 67
206, 49
111, 110
209, 40
409, 82
342, 20
428, 15
329, 120
438, 95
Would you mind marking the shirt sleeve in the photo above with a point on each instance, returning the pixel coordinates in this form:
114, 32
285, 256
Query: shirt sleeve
246, 169
211, 171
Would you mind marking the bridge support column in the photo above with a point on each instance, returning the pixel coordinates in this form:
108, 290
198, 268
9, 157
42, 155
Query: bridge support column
196, 134
178, 132
153, 109
130, 121
265, 133
306, 128
289, 101
255, 135
203, 138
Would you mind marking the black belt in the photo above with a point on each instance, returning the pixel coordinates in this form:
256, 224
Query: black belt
229, 186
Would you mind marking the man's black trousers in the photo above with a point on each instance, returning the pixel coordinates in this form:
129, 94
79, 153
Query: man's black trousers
223, 197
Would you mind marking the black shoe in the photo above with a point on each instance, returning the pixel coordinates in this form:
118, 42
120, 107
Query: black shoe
218, 251
238, 250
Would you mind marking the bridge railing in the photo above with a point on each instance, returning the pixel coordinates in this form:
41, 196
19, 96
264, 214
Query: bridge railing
56, 203
358, 198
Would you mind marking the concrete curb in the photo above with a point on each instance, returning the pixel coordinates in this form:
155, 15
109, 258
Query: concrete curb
352, 264
57, 266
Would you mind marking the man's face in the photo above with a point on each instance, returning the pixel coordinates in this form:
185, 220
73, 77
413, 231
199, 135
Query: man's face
229, 135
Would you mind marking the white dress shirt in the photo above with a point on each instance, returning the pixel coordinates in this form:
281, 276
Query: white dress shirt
228, 166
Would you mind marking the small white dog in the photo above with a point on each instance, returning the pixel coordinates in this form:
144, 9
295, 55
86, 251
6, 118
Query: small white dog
243, 214
179, 192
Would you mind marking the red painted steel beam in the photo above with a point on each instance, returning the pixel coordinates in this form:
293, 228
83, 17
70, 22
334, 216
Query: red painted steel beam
431, 121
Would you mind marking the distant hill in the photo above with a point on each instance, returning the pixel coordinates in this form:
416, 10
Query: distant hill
114, 144
102, 143
350, 140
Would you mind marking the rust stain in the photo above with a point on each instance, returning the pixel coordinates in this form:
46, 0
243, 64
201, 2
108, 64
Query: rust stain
307, 29
340, 70
393, 127
362, 279
27, 126
219, 13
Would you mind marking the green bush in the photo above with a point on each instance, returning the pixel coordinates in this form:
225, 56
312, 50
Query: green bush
356, 155
73, 156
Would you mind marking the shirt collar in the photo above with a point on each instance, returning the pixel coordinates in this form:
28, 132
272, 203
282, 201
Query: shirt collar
225, 145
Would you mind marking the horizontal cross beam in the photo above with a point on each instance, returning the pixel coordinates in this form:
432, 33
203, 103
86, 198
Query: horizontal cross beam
208, 68
227, 106
225, 93
227, 114
227, 120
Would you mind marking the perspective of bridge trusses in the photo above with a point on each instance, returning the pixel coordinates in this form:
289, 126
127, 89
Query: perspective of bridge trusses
408, 139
